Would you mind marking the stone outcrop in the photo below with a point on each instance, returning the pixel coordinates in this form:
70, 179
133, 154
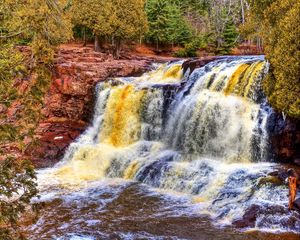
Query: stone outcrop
284, 139
194, 63
69, 102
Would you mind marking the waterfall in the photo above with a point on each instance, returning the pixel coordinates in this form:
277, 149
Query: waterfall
202, 133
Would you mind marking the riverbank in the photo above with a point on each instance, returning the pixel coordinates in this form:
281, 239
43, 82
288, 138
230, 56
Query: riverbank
228, 180
69, 103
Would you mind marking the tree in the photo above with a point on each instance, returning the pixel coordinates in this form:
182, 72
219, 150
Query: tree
282, 47
127, 21
87, 14
229, 39
277, 23
17, 188
117, 20
42, 24
167, 25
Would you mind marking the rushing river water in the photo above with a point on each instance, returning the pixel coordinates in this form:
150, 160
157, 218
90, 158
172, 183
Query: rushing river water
171, 155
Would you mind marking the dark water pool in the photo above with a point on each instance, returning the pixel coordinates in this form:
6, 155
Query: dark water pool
128, 210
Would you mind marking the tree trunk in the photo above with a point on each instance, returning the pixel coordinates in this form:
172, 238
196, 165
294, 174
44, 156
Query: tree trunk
117, 48
97, 44
84, 37
243, 12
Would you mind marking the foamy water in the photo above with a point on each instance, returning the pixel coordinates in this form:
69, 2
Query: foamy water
199, 143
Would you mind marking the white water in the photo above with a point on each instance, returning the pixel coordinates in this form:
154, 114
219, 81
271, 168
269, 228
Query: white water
202, 134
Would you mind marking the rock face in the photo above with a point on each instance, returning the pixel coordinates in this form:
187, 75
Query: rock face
192, 64
249, 217
284, 139
297, 204
69, 102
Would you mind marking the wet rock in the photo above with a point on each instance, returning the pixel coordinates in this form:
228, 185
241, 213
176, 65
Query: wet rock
152, 173
297, 161
280, 174
249, 217
194, 63
284, 135
297, 204
274, 173
54, 137
273, 180
115, 236
69, 102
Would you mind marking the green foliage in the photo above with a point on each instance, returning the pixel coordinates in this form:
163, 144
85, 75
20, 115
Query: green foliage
11, 67
230, 36
277, 22
127, 19
82, 32
113, 19
190, 48
7, 133
167, 24
17, 188
42, 24
180, 21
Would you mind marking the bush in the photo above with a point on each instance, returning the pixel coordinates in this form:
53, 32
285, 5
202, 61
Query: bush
18, 187
190, 49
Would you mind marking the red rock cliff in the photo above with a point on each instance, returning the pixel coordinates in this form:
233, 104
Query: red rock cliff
69, 102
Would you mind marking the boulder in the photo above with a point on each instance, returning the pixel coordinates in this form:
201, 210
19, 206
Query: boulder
297, 204
194, 63
284, 136
249, 217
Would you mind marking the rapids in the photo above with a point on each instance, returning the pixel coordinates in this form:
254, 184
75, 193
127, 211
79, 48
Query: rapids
198, 140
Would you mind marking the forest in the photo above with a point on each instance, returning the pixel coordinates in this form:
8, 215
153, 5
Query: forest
191, 27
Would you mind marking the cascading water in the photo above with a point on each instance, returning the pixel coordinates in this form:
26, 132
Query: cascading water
202, 134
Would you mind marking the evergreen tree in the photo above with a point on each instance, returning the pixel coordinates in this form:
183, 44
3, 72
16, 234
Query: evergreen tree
89, 14
167, 25
230, 36
44, 24
126, 19
117, 20
277, 23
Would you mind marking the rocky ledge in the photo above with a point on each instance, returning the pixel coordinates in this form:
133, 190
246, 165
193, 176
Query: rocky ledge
69, 102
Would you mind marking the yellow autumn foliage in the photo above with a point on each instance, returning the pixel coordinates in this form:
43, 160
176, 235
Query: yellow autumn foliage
277, 23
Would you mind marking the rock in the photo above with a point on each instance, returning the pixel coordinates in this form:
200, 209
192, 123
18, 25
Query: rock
249, 217
70, 100
297, 161
280, 174
194, 63
54, 137
274, 173
297, 204
284, 135
115, 236
13, 109
274, 180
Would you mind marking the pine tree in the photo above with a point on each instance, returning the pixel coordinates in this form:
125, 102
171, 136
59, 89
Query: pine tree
127, 21
277, 23
117, 20
167, 25
43, 24
230, 36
